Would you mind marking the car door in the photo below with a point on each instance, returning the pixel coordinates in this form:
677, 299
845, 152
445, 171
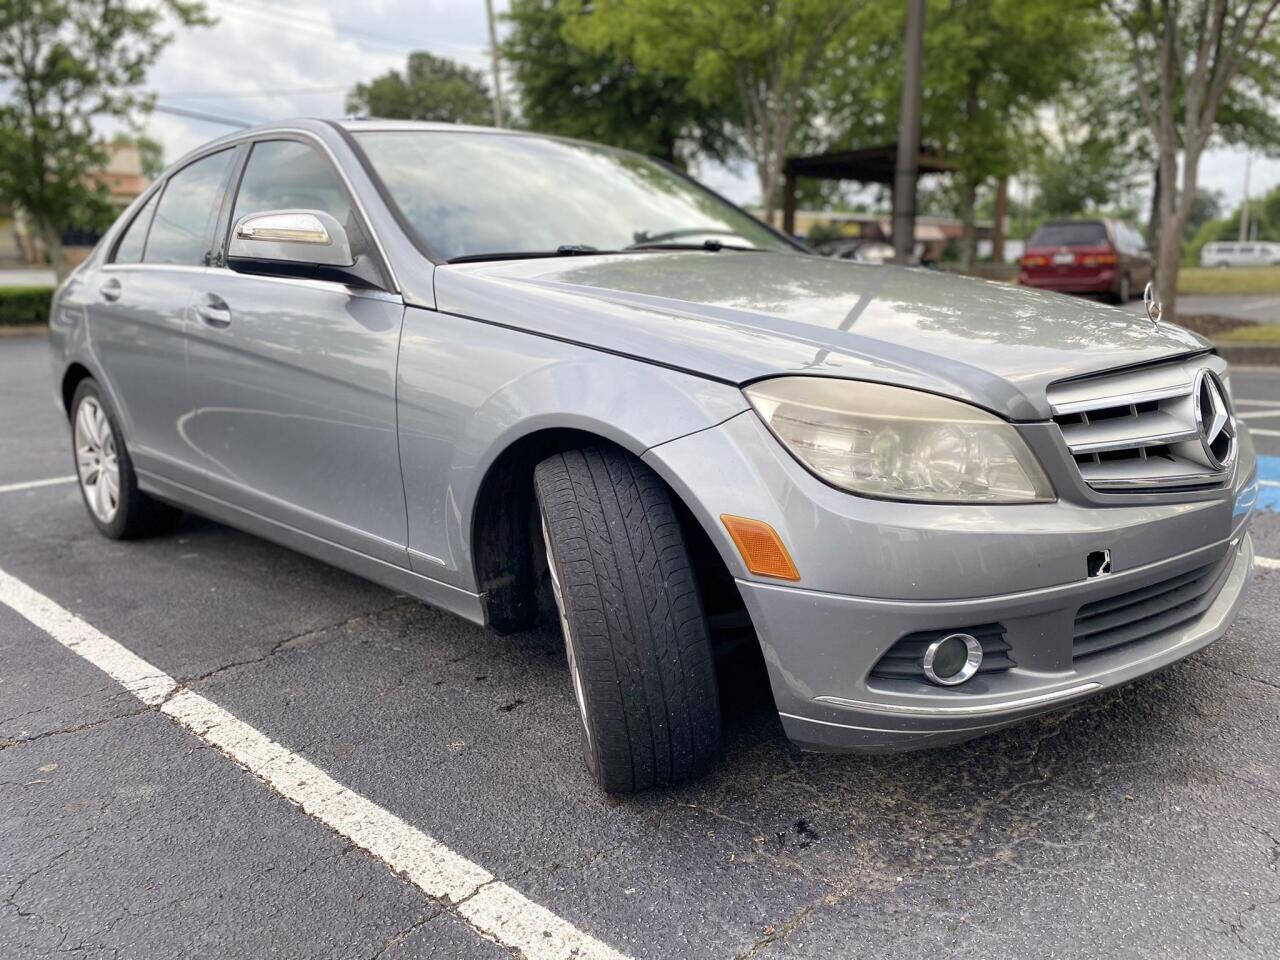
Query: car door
294, 379
138, 316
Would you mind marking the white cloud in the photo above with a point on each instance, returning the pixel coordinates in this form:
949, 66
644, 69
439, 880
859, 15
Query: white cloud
312, 54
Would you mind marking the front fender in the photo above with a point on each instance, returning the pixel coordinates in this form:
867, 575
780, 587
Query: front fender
468, 390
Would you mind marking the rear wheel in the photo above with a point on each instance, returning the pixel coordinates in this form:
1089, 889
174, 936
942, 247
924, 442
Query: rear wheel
107, 481
1124, 292
635, 636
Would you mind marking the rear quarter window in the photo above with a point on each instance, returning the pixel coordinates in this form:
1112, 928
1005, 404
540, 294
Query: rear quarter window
1083, 233
134, 239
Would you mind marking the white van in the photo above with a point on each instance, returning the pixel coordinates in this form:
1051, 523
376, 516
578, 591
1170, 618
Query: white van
1251, 253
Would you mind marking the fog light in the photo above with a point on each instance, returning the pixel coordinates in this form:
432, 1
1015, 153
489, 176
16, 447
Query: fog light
953, 659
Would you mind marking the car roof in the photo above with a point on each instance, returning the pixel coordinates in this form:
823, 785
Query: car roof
365, 124
324, 128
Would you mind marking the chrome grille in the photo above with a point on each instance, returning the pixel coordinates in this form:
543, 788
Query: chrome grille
1136, 430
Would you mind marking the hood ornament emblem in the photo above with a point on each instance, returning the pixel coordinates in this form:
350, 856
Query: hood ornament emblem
1150, 300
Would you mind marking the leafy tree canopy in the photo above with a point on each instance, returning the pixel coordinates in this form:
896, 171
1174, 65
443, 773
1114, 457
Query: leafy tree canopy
759, 60
63, 65
431, 88
605, 97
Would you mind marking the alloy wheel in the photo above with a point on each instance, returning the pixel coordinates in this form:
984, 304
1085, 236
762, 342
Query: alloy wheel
578, 692
97, 463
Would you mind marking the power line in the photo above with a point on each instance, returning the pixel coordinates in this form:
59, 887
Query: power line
245, 94
341, 31
200, 115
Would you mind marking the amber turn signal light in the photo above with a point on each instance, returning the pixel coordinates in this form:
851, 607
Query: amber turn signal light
762, 549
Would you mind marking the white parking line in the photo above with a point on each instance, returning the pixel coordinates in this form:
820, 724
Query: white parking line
1259, 432
1266, 563
1254, 414
494, 909
33, 484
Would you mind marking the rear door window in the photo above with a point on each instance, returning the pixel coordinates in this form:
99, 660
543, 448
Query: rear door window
184, 218
1076, 234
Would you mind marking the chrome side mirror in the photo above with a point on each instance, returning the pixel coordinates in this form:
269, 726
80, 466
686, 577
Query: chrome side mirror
304, 238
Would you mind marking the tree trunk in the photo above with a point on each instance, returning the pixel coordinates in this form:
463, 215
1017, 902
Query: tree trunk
968, 244
51, 238
1002, 213
768, 189
1153, 218
1169, 255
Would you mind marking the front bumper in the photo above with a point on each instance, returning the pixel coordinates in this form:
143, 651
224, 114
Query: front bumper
875, 571
842, 709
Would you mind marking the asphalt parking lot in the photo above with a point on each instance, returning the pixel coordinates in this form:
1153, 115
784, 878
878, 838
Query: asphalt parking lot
1142, 823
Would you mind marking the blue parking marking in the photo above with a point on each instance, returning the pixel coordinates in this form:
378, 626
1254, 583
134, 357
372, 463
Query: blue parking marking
1269, 483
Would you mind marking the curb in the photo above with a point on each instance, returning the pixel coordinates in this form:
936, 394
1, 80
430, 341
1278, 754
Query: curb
1251, 354
24, 330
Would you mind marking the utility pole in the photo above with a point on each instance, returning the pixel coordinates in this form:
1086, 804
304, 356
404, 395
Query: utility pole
906, 171
497, 68
1244, 207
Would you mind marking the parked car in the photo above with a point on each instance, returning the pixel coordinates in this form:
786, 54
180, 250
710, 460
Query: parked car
534, 380
1087, 256
860, 251
1255, 253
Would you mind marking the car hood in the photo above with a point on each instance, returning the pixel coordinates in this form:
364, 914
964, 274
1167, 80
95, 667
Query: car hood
740, 316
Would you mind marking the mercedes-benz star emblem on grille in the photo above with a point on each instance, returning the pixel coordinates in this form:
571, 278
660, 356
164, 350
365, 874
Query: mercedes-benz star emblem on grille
1214, 420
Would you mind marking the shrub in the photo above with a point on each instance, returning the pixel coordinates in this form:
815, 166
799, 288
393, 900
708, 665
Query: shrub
20, 306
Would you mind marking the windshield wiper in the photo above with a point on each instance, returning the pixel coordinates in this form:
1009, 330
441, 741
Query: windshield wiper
713, 246
564, 250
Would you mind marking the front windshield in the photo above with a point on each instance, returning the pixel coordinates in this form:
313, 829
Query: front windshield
470, 194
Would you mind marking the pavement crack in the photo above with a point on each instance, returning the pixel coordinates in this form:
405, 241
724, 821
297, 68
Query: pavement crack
781, 932
400, 935
287, 643
1235, 673
76, 728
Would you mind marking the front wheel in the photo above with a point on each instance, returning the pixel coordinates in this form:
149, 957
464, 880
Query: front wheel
108, 483
635, 637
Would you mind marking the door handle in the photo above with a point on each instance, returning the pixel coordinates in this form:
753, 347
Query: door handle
110, 290
213, 311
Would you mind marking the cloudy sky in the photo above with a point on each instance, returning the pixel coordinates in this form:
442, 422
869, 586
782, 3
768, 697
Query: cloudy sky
272, 59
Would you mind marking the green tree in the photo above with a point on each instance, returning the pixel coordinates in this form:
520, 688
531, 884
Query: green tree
1089, 154
605, 97
65, 64
1185, 60
431, 88
758, 59
989, 66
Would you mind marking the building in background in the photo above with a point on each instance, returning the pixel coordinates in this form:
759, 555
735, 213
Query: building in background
124, 181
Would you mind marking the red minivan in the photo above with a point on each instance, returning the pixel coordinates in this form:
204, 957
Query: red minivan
1087, 256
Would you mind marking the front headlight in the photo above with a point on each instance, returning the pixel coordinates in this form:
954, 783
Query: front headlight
899, 444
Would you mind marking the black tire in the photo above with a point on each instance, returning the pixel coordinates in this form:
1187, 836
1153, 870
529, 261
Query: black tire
1124, 290
136, 514
629, 596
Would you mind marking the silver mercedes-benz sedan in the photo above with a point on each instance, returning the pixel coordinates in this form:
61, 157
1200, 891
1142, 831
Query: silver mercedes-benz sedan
525, 378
